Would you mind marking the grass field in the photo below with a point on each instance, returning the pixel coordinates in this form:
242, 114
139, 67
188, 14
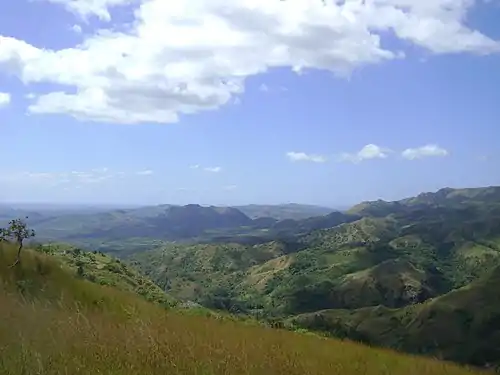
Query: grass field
51, 322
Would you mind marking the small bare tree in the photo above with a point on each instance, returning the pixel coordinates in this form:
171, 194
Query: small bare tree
18, 232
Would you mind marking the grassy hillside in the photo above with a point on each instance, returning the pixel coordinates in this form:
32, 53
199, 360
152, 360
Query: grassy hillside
53, 323
103, 269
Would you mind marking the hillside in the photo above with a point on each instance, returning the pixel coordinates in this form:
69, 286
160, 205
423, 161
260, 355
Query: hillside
371, 261
398, 261
380, 259
462, 325
444, 198
53, 323
103, 269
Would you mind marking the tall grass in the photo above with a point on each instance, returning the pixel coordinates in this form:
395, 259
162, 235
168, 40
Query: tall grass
53, 323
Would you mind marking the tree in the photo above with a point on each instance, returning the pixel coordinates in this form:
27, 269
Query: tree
17, 231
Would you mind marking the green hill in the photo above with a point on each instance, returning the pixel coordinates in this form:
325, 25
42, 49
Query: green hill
462, 325
52, 322
382, 261
103, 269
379, 264
446, 197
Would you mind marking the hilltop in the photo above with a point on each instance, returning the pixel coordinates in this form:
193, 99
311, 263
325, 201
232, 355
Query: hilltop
53, 322
444, 198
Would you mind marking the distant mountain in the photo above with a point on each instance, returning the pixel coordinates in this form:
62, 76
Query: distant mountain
135, 229
284, 211
446, 197
167, 222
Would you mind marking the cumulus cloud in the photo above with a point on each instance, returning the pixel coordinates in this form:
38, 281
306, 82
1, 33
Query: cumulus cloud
185, 56
368, 152
424, 151
302, 156
4, 99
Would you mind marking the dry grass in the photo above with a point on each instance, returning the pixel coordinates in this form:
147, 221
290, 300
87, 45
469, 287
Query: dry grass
62, 325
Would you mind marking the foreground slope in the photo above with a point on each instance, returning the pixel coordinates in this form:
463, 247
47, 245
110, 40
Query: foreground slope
54, 323
103, 269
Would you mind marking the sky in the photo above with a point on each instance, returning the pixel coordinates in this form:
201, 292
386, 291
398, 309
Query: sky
247, 101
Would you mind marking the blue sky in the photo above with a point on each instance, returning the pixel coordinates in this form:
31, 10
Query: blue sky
145, 102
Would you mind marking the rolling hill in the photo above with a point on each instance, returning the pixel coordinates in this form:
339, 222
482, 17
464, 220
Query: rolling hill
52, 322
383, 261
415, 254
462, 325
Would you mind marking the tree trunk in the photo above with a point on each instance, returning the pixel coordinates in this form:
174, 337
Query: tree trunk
18, 258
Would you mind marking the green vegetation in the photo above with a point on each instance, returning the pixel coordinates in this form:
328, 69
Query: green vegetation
103, 269
52, 322
416, 275
126, 231
462, 325
380, 264
17, 231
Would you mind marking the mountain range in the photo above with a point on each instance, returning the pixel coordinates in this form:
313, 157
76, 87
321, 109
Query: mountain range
418, 275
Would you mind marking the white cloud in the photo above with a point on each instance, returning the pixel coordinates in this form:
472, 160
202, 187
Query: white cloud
424, 151
230, 187
213, 169
87, 8
4, 99
147, 172
195, 166
77, 29
302, 156
368, 152
185, 56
